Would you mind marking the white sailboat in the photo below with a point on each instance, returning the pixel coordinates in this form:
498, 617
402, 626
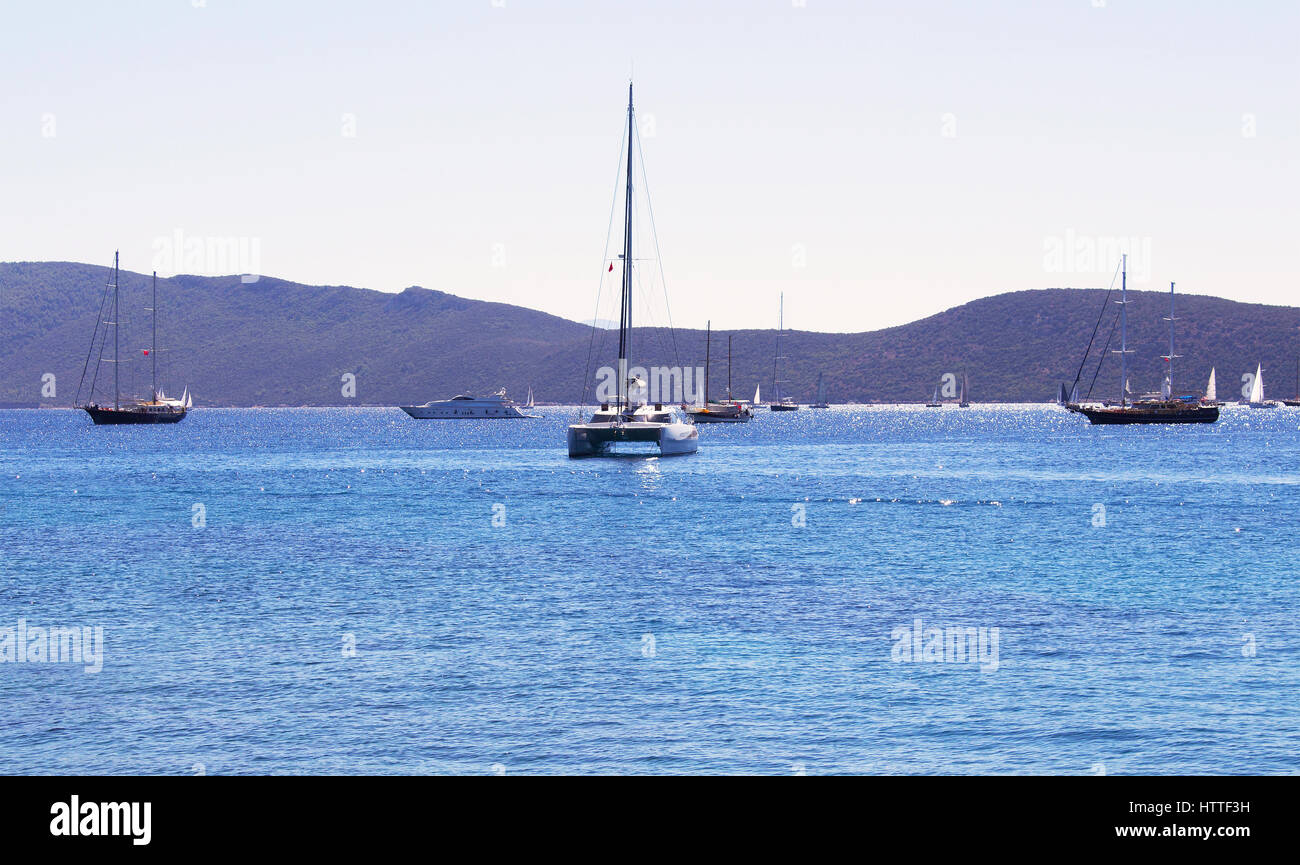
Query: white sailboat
1211, 392
782, 403
1257, 391
529, 403
631, 421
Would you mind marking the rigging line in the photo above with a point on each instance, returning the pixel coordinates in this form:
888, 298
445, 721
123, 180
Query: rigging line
609, 232
1104, 301
1102, 359
654, 232
91, 348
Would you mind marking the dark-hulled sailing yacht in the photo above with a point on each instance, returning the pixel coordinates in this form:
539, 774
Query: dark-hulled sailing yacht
159, 408
1166, 408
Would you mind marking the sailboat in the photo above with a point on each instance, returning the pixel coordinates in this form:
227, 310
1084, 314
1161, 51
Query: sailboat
1257, 391
730, 411
757, 402
1165, 408
159, 408
631, 420
964, 402
529, 403
783, 403
821, 394
934, 400
1211, 392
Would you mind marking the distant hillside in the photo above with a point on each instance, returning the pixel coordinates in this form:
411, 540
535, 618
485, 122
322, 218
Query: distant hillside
280, 343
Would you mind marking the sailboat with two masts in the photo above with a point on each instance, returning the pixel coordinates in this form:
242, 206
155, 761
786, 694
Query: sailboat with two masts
782, 403
631, 420
1166, 408
730, 411
159, 408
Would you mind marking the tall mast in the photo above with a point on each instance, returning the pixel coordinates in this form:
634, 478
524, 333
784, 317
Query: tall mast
1169, 359
153, 347
780, 324
1123, 336
708, 342
116, 388
625, 314
729, 370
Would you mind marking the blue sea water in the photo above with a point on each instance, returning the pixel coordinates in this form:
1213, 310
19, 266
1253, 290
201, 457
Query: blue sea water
735, 611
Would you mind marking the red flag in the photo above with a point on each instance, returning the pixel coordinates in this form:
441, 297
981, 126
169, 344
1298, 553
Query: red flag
145, 350
611, 267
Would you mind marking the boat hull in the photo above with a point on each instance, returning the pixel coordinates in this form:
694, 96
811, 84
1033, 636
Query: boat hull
1139, 415
779, 407
721, 414
114, 417
604, 439
421, 412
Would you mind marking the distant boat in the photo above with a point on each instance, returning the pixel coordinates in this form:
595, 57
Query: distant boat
1164, 409
529, 404
631, 421
821, 394
934, 400
718, 412
1257, 391
1211, 392
964, 402
159, 408
462, 407
757, 402
782, 403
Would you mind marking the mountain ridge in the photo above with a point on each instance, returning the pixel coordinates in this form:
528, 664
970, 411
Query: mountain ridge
277, 342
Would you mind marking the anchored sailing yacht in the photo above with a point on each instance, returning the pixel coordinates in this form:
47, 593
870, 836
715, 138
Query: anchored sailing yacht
783, 403
821, 394
730, 411
495, 407
631, 421
159, 408
1162, 408
1211, 392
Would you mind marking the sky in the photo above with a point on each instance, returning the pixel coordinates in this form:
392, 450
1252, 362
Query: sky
875, 162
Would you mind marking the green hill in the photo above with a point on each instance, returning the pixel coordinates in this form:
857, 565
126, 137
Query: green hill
275, 342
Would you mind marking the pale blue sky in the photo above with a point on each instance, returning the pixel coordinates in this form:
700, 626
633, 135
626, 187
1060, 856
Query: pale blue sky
917, 154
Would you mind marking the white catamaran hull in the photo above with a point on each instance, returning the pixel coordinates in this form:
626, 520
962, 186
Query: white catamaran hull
602, 439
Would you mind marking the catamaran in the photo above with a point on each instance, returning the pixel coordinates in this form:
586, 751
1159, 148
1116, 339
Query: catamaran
1166, 408
631, 421
159, 408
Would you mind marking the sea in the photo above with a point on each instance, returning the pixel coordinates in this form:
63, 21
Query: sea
1002, 589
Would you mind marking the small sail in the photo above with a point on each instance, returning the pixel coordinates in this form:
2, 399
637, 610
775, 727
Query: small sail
1062, 397
963, 400
188, 399
1210, 393
529, 404
1257, 386
1166, 388
1074, 393
757, 398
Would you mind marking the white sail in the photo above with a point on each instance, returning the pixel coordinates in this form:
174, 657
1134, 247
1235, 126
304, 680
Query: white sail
189, 399
529, 404
757, 398
1166, 388
1210, 393
1257, 386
